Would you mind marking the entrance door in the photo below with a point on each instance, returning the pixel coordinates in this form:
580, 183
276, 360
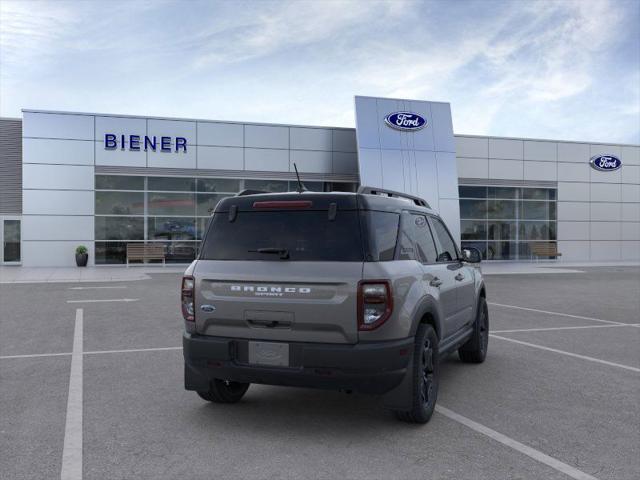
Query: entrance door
10, 233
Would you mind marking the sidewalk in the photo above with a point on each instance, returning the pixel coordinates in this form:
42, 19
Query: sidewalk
11, 274
549, 266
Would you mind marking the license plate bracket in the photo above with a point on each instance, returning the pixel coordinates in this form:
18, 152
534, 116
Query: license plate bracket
269, 353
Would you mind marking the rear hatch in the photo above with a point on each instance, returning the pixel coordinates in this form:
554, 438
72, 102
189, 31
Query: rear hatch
281, 267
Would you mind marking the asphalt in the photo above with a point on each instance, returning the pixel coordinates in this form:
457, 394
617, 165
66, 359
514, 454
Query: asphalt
139, 422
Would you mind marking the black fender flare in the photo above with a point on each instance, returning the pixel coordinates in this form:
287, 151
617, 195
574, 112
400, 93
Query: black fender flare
428, 305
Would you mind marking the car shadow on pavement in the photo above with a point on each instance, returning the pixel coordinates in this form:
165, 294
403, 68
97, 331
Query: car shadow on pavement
299, 409
267, 407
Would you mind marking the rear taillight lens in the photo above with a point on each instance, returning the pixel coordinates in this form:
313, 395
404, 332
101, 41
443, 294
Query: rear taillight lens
375, 303
187, 298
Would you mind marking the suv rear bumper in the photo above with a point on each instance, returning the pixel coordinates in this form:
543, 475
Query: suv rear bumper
374, 367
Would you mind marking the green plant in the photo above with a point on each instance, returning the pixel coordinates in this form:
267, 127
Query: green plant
81, 250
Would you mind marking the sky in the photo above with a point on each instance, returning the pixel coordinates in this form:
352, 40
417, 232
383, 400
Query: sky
540, 69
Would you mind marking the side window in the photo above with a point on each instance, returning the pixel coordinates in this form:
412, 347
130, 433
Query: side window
406, 242
424, 241
382, 234
447, 251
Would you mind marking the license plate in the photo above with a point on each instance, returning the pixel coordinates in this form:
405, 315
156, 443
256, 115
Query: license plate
269, 353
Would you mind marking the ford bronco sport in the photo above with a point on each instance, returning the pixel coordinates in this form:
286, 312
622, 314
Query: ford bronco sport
348, 291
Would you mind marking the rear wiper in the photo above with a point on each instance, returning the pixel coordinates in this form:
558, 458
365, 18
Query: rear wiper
283, 252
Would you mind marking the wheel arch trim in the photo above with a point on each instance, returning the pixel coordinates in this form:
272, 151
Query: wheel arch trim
428, 306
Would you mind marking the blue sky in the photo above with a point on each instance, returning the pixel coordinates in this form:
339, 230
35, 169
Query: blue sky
544, 69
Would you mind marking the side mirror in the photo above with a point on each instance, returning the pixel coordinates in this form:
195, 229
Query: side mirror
471, 255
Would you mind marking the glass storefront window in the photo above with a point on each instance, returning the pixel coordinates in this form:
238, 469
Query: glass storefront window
119, 228
501, 209
178, 184
502, 192
501, 231
171, 204
119, 182
538, 194
503, 222
472, 192
119, 203
501, 251
172, 211
110, 253
473, 208
267, 185
217, 185
473, 229
180, 252
169, 228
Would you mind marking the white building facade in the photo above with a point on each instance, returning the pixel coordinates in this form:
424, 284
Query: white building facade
105, 181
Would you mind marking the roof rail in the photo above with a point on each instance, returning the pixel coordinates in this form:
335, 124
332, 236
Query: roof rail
250, 192
393, 194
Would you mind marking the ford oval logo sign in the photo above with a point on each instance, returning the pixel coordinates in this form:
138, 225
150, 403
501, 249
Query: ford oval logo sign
605, 163
405, 121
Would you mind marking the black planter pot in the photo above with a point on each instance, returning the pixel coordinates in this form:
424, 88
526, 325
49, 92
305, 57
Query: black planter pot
82, 259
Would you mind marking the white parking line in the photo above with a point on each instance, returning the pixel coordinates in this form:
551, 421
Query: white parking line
94, 288
564, 328
158, 349
514, 444
34, 355
555, 313
105, 300
569, 354
93, 352
72, 449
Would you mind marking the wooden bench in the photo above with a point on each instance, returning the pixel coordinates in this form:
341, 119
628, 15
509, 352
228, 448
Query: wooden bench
545, 249
142, 252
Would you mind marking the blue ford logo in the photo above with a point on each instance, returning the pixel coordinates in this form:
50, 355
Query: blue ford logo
606, 163
405, 121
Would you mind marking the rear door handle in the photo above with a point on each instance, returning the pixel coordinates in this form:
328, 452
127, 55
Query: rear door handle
436, 282
459, 277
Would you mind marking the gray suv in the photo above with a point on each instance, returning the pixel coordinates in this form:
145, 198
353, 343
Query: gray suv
357, 292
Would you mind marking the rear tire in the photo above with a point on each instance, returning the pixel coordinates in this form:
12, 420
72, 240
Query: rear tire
224, 391
425, 377
475, 350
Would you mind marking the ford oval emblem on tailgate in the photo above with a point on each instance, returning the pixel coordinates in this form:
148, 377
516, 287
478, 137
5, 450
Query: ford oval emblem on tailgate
207, 308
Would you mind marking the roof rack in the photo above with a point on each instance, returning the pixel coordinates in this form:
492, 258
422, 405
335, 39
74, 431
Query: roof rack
250, 192
390, 193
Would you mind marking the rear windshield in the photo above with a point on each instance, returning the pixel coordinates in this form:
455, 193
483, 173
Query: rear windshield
284, 236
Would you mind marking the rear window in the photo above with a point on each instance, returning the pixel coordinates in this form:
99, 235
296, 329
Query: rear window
304, 235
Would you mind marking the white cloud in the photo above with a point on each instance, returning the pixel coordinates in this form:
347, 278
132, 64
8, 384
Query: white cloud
501, 65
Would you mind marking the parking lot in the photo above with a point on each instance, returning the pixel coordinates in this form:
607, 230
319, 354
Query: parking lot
91, 387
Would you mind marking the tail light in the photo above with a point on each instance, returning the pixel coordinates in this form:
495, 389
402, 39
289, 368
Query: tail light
187, 298
375, 303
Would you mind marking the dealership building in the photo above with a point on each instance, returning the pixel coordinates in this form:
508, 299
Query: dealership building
110, 181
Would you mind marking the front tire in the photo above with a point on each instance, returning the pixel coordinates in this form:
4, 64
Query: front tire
475, 350
425, 377
224, 391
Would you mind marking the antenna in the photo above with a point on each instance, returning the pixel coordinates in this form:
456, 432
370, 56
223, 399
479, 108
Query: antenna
301, 187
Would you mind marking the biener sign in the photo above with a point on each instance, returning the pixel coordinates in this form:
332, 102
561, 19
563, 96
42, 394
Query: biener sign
139, 142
